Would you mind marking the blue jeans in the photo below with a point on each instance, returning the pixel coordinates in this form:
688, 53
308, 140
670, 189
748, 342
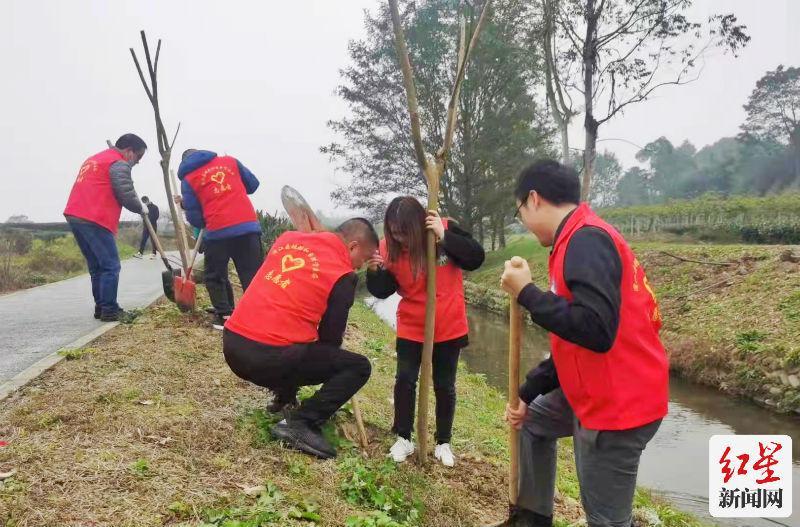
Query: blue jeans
100, 250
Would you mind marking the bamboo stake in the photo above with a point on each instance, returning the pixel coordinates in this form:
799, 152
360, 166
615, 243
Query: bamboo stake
432, 169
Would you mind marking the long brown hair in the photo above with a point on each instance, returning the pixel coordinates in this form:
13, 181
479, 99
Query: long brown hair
406, 216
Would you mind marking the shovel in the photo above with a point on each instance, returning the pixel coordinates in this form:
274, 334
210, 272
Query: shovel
304, 220
169, 275
185, 294
514, 346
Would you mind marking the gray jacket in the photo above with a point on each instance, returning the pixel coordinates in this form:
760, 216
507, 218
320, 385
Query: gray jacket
122, 185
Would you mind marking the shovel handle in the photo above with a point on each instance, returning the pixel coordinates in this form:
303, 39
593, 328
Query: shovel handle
514, 346
194, 253
156, 241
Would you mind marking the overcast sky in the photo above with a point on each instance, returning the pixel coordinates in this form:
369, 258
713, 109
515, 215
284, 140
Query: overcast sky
256, 80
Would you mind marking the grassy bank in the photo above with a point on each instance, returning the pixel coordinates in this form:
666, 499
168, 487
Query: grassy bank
25, 264
731, 322
149, 427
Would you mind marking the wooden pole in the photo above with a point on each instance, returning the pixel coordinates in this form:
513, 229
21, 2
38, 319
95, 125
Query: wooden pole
514, 346
362, 432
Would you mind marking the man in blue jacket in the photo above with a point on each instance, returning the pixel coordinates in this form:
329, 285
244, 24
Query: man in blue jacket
215, 193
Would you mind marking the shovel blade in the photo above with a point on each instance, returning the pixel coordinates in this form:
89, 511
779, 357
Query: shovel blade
185, 293
167, 279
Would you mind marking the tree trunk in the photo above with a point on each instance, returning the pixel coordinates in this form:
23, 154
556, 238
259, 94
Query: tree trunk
560, 114
481, 236
501, 224
590, 124
795, 142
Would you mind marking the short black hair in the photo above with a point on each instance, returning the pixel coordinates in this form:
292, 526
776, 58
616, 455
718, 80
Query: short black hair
132, 141
187, 153
358, 229
555, 182
145, 199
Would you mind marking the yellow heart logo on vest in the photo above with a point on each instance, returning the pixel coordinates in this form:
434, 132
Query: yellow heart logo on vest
290, 263
218, 178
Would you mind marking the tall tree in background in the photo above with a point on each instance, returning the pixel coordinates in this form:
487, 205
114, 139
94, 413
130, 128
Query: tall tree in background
626, 50
558, 73
773, 111
671, 167
500, 126
608, 173
634, 188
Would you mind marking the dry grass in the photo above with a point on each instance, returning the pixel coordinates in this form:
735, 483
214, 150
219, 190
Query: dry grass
151, 428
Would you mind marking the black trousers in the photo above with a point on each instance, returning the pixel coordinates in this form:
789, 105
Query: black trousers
284, 369
445, 365
145, 237
247, 254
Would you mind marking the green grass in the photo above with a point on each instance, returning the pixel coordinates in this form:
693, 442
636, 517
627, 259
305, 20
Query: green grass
46, 261
525, 246
196, 449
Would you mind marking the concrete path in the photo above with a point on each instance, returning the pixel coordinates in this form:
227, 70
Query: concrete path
38, 322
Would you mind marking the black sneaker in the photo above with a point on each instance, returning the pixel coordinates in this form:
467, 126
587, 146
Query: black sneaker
112, 316
219, 321
519, 517
97, 312
299, 435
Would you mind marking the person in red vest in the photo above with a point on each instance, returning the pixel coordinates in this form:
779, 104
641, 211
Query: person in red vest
214, 192
606, 382
400, 268
102, 188
288, 328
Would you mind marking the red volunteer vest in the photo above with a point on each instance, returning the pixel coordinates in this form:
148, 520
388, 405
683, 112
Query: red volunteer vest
92, 197
628, 386
451, 310
289, 295
219, 188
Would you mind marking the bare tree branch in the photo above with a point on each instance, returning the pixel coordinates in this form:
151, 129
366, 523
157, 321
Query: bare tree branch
174, 137
463, 59
622, 27
141, 75
408, 82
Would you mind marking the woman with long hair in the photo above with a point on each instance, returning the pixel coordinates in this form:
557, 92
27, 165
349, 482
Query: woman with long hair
399, 266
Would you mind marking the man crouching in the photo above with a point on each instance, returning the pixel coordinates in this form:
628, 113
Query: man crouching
287, 330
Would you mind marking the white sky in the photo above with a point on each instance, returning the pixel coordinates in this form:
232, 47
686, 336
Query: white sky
256, 80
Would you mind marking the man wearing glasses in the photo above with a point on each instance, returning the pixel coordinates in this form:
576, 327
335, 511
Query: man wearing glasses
103, 186
606, 382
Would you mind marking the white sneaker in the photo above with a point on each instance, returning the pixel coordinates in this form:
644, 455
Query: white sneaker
444, 454
138, 255
152, 256
401, 449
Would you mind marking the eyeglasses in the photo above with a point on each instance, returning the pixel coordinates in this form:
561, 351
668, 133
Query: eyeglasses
516, 214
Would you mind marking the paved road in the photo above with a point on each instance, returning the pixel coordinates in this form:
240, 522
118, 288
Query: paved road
36, 322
